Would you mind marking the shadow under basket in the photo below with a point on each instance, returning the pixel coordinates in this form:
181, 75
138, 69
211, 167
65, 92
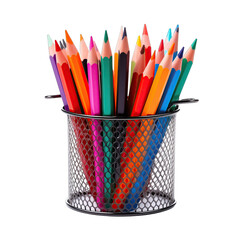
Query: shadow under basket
121, 166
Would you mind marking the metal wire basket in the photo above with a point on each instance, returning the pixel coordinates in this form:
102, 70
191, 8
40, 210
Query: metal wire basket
121, 166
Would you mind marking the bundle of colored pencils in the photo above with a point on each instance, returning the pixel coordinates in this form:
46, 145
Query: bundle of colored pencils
97, 84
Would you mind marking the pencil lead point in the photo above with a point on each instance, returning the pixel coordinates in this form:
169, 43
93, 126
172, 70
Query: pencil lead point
194, 44
153, 56
57, 48
124, 33
64, 43
105, 36
142, 49
145, 32
61, 45
139, 41
169, 35
170, 51
177, 28
180, 54
68, 39
91, 43
81, 37
161, 46
50, 42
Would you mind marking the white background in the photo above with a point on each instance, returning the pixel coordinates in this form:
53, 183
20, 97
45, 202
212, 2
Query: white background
33, 131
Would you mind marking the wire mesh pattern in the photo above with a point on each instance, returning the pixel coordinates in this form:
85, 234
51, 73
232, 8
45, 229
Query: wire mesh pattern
121, 166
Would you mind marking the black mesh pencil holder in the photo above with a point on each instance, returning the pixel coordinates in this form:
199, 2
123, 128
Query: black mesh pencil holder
121, 166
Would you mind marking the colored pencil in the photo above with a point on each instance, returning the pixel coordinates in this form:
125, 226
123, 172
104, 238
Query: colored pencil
52, 57
171, 83
83, 54
160, 55
123, 68
174, 39
186, 67
135, 56
156, 138
159, 84
146, 42
144, 87
136, 77
167, 41
67, 81
115, 70
121, 108
107, 110
94, 92
78, 74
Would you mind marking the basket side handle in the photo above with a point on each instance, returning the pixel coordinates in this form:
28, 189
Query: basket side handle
53, 96
183, 101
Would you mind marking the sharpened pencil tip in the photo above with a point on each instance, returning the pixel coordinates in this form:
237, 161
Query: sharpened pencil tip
169, 35
105, 36
161, 46
91, 43
124, 33
139, 41
180, 54
68, 39
50, 42
64, 43
194, 44
81, 37
61, 45
177, 28
170, 51
153, 56
145, 32
57, 48
142, 50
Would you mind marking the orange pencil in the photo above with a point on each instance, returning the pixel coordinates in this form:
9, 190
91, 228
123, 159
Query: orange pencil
136, 77
115, 71
159, 84
144, 87
146, 42
78, 74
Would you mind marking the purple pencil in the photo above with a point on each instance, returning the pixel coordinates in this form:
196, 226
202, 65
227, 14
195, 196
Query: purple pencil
52, 56
95, 102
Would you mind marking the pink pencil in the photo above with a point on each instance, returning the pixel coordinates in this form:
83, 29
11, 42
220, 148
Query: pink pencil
95, 102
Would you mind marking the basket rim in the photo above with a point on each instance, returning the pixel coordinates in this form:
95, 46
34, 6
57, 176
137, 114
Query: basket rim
156, 116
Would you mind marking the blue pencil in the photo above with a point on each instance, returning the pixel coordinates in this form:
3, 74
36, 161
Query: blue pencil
171, 84
156, 138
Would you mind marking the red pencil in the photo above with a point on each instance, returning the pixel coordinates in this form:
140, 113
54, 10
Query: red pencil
146, 42
67, 81
144, 87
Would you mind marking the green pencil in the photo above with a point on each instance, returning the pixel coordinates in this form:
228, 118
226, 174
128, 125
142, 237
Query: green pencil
186, 67
107, 110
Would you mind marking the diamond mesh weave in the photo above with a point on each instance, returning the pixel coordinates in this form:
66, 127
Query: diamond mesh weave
121, 166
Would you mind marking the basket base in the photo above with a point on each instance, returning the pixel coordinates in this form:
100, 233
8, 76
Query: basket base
160, 195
